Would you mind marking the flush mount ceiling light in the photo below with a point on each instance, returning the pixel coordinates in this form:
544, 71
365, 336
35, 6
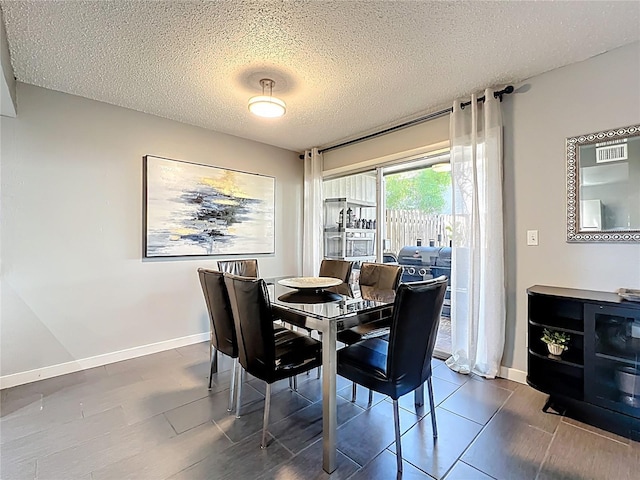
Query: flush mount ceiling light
441, 167
267, 105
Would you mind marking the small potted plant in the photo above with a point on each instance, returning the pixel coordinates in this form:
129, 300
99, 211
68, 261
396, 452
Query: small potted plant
557, 342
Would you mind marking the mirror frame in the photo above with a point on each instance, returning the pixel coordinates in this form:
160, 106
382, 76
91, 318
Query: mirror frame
573, 188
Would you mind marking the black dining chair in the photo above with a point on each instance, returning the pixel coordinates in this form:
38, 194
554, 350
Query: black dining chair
403, 363
375, 277
223, 334
262, 353
340, 269
222, 329
380, 275
244, 268
249, 268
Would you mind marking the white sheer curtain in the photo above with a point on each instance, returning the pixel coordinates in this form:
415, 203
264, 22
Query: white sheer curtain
312, 215
478, 309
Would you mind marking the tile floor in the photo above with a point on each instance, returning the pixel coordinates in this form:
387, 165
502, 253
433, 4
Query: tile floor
153, 418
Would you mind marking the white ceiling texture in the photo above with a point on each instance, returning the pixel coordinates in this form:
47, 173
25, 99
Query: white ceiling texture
343, 67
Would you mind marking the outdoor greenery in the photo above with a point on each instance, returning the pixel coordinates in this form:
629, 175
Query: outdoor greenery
419, 190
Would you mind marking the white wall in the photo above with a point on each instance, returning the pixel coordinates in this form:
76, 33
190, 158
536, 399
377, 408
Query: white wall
73, 282
597, 94
421, 138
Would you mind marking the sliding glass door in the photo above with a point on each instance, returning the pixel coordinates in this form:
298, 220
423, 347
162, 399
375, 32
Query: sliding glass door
395, 214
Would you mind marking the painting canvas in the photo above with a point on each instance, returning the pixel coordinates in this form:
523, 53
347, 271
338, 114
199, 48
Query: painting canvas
193, 209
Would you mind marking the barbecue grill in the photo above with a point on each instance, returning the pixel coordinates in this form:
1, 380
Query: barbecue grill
422, 263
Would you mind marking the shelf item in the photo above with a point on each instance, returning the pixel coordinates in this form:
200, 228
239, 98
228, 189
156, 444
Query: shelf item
629, 294
349, 229
597, 380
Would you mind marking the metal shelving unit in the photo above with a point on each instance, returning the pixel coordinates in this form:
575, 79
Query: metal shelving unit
344, 235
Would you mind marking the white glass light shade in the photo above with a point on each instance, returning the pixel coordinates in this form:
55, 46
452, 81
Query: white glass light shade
266, 106
441, 167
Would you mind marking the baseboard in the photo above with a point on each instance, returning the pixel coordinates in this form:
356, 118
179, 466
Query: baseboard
513, 374
505, 372
29, 376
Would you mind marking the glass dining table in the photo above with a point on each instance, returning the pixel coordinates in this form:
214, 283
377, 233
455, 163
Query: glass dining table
329, 311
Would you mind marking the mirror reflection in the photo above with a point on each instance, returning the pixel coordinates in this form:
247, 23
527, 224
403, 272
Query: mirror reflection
604, 186
610, 185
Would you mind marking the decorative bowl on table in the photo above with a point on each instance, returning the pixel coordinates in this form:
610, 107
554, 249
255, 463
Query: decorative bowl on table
310, 289
310, 283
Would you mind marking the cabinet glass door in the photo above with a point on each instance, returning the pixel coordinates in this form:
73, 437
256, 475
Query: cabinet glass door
614, 380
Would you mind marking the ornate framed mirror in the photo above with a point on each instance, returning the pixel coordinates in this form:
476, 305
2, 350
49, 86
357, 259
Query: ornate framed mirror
603, 186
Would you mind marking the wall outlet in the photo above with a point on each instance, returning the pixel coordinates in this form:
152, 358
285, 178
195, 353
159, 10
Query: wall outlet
532, 237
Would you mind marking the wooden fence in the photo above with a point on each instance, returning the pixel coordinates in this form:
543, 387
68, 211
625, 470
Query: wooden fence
405, 227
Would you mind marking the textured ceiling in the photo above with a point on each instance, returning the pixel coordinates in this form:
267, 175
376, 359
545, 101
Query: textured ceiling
343, 67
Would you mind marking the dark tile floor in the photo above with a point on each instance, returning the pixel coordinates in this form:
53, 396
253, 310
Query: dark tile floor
153, 418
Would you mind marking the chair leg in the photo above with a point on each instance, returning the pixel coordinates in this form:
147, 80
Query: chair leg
265, 421
418, 396
232, 386
213, 355
370, 398
295, 383
433, 408
396, 421
319, 367
354, 392
239, 396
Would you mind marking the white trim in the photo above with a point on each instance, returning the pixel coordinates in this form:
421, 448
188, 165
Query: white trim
400, 157
29, 376
509, 373
513, 374
21, 378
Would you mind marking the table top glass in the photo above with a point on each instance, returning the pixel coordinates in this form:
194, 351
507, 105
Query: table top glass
331, 303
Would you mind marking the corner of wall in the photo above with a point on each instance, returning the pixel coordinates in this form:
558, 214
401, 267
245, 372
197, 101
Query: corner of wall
8, 102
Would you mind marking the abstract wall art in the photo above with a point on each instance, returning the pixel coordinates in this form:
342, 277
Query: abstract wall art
192, 209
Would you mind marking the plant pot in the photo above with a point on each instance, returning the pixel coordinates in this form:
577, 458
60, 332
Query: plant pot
555, 349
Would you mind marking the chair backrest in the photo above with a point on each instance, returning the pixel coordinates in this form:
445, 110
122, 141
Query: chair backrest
380, 276
388, 257
254, 325
223, 332
242, 268
337, 269
414, 328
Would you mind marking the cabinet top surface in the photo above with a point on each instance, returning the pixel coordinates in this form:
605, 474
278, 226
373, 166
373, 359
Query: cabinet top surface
586, 295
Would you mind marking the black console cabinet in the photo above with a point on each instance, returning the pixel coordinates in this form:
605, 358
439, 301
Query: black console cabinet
597, 380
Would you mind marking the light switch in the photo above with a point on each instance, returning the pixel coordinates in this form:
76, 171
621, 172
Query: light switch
532, 237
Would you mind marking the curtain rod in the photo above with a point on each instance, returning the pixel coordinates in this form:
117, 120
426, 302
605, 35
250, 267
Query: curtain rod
506, 91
